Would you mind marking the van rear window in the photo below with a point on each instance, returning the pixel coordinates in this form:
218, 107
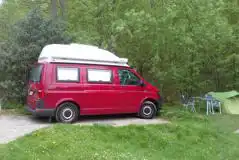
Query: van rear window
35, 73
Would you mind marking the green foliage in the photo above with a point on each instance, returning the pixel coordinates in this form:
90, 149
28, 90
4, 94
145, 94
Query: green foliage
177, 44
11, 11
26, 40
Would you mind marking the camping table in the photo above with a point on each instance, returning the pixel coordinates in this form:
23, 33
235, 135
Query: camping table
208, 105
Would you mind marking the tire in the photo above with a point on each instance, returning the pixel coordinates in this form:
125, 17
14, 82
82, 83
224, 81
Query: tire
67, 113
147, 110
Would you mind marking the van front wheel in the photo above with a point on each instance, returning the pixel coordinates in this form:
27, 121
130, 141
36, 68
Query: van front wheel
147, 110
67, 113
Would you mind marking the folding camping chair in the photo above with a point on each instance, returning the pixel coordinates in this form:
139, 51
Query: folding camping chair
216, 104
212, 103
188, 102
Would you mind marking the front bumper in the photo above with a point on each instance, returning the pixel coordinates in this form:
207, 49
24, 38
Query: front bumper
40, 112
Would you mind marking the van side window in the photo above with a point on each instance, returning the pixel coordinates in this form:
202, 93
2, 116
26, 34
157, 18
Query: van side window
128, 78
99, 75
67, 74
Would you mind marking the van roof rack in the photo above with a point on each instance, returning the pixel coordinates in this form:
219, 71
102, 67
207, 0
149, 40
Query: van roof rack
79, 53
122, 62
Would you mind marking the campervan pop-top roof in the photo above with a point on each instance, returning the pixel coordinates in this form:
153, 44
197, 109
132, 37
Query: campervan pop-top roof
79, 53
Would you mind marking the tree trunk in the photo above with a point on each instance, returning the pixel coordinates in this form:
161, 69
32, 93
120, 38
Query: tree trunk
62, 5
234, 73
152, 3
54, 8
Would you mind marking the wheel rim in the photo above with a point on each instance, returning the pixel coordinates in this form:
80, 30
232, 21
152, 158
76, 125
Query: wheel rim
67, 113
147, 110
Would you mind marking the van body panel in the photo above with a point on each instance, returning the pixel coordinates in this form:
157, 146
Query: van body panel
109, 96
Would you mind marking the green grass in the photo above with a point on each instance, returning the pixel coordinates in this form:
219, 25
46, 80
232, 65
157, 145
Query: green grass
13, 109
18, 111
188, 136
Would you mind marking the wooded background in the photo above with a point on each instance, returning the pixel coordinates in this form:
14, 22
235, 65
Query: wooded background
178, 45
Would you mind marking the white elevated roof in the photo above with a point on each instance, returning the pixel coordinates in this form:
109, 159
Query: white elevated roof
79, 53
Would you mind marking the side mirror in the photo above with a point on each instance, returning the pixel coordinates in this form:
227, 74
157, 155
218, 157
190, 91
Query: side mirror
141, 83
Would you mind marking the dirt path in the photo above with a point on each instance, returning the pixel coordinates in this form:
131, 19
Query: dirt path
12, 127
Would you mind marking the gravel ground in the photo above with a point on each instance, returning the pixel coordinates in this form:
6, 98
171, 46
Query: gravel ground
121, 121
12, 127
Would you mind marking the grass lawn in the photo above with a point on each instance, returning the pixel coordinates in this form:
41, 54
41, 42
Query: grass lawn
188, 136
13, 112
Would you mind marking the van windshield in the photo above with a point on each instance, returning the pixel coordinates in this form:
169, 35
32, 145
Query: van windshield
35, 73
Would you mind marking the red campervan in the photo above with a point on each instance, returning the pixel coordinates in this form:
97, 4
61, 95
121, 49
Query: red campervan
73, 80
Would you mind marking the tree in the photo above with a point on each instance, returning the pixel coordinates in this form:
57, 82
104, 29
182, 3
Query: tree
11, 11
179, 46
26, 40
54, 8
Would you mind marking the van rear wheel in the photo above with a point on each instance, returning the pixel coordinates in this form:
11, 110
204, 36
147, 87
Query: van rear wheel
147, 110
67, 113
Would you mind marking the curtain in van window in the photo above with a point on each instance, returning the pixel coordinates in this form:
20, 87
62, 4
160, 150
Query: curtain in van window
95, 75
67, 74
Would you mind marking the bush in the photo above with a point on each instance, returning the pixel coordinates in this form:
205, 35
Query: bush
26, 40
